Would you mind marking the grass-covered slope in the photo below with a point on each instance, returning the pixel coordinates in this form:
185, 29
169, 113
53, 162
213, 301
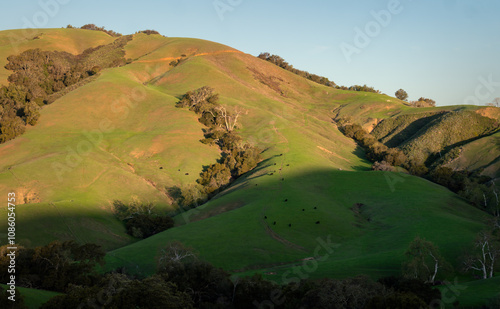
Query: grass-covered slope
438, 134
73, 41
120, 136
483, 153
371, 237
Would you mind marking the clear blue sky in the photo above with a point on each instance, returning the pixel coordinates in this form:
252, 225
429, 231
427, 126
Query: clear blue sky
443, 49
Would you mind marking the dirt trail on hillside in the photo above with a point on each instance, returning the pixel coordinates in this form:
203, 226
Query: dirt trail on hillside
268, 229
195, 55
129, 167
282, 240
333, 154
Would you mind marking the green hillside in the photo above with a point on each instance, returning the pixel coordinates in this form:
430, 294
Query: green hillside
74, 41
371, 241
459, 138
120, 137
74, 164
482, 153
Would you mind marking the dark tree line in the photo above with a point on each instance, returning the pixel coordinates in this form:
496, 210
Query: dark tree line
184, 281
278, 61
96, 28
55, 266
480, 191
237, 157
421, 102
377, 151
148, 32
39, 77
141, 220
364, 88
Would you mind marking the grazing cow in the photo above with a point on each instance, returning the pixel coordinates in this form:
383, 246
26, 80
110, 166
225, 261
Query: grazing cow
271, 174
274, 223
265, 217
282, 179
286, 200
179, 170
317, 222
274, 163
186, 174
315, 207
161, 167
289, 225
288, 165
303, 209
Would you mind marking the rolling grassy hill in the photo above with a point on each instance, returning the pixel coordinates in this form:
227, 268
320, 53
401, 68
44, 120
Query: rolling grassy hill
108, 139
424, 135
73, 41
120, 137
371, 240
481, 153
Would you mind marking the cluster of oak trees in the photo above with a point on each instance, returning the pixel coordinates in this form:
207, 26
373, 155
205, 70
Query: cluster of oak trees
425, 262
421, 102
377, 151
364, 88
141, 219
149, 32
237, 156
55, 266
278, 61
182, 280
96, 28
40, 77
478, 189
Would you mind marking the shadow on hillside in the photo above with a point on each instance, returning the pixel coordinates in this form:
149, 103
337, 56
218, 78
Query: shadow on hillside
360, 153
318, 202
411, 130
436, 156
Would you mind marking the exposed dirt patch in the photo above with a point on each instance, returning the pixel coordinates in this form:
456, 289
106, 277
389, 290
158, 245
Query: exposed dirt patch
371, 124
157, 146
270, 81
490, 112
27, 196
332, 153
282, 240
325, 150
137, 153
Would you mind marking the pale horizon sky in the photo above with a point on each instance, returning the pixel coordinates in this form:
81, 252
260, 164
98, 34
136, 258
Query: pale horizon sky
446, 50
